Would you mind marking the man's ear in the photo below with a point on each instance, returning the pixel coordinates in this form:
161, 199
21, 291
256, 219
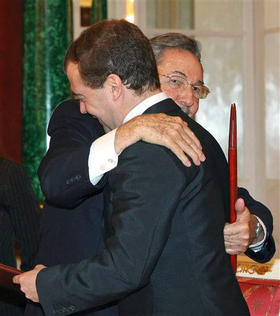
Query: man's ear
114, 85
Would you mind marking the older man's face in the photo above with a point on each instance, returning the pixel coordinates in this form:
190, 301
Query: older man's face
181, 77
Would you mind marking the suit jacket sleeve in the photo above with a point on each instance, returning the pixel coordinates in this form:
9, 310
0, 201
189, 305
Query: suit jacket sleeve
260, 210
25, 215
63, 171
142, 209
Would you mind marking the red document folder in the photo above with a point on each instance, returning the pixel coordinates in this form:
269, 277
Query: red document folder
6, 277
232, 163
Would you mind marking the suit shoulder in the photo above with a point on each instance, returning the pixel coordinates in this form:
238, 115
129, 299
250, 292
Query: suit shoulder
156, 158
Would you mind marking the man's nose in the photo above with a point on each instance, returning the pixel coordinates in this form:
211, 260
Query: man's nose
187, 96
83, 107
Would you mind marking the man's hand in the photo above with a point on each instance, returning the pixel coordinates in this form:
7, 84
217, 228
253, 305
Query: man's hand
27, 282
161, 129
240, 234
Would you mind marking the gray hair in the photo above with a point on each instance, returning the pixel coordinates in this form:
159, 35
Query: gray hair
174, 40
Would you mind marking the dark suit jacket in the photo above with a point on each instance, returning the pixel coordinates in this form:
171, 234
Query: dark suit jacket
72, 231
19, 222
164, 250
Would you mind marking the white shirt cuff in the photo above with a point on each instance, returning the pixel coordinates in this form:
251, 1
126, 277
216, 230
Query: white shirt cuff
102, 156
258, 246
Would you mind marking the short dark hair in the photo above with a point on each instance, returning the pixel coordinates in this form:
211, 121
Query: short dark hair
114, 47
174, 40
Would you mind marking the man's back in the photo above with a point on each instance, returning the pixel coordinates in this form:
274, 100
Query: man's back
177, 216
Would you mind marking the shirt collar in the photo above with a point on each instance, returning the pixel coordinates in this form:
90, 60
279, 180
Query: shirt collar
144, 105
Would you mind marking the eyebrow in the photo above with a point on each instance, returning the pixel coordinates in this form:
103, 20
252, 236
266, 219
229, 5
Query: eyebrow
177, 72
199, 82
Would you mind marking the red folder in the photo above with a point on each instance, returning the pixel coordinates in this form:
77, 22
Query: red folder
6, 277
232, 162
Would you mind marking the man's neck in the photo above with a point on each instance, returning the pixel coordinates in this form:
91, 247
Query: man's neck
127, 104
134, 100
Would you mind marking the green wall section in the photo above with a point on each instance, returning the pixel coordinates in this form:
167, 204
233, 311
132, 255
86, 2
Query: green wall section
47, 32
98, 10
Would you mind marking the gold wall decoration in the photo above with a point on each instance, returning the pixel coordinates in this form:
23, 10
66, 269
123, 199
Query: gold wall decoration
251, 268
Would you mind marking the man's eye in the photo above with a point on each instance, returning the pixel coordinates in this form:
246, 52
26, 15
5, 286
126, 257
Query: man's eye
175, 83
196, 88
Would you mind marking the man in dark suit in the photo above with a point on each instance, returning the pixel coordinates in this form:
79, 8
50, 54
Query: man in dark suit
175, 52
164, 248
19, 222
72, 221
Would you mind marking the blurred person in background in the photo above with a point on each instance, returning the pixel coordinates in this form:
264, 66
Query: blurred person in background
19, 223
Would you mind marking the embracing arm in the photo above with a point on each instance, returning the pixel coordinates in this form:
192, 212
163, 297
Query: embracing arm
161, 129
78, 157
63, 171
